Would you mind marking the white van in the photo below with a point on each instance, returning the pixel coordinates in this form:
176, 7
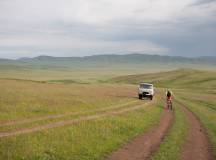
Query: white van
146, 90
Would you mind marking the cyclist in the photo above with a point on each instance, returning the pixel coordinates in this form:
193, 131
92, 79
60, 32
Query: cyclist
169, 99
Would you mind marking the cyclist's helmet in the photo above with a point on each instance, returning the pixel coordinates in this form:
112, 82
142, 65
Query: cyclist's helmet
169, 93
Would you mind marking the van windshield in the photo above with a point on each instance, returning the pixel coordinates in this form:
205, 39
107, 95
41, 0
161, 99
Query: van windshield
147, 86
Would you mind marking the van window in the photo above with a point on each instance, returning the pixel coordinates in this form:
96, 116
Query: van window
147, 86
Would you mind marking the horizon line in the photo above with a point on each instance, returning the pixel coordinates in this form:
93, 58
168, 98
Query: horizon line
114, 54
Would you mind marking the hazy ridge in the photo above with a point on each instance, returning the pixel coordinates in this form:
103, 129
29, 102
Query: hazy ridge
106, 60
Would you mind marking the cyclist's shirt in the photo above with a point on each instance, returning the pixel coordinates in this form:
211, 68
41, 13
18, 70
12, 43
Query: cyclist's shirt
169, 98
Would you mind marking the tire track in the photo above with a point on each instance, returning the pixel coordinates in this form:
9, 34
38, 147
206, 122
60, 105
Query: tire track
36, 119
197, 145
143, 146
70, 122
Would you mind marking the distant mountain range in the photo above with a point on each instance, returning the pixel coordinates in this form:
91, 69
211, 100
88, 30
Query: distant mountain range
124, 58
104, 60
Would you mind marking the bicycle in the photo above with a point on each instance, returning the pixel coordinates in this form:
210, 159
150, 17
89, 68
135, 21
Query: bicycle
169, 104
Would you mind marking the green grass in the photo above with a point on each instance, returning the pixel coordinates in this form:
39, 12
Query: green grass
95, 139
86, 140
66, 81
171, 146
68, 116
26, 99
43, 92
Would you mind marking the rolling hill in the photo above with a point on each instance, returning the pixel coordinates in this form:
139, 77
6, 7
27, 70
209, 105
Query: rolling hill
181, 78
137, 60
98, 67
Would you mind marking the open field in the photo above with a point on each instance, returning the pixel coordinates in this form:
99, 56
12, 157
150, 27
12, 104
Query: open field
23, 99
27, 105
107, 80
57, 118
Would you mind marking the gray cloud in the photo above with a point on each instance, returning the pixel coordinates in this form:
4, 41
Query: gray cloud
77, 28
201, 2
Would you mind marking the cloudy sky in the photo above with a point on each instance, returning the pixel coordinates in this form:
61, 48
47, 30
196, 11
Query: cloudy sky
84, 27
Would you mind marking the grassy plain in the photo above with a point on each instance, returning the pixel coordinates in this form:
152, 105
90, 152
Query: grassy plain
26, 100
74, 74
36, 97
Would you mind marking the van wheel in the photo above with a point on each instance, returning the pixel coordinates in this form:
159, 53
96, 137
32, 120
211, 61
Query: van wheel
140, 96
151, 98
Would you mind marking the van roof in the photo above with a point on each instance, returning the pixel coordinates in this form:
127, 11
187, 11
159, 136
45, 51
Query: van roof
146, 83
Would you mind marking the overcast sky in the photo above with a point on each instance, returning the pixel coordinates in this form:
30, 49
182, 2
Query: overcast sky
84, 27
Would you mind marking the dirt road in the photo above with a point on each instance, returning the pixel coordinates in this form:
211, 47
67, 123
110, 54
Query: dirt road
197, 145
144, 145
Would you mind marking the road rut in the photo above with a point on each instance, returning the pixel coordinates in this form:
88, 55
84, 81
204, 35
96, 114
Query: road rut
197, 145
70, 122
144, 145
